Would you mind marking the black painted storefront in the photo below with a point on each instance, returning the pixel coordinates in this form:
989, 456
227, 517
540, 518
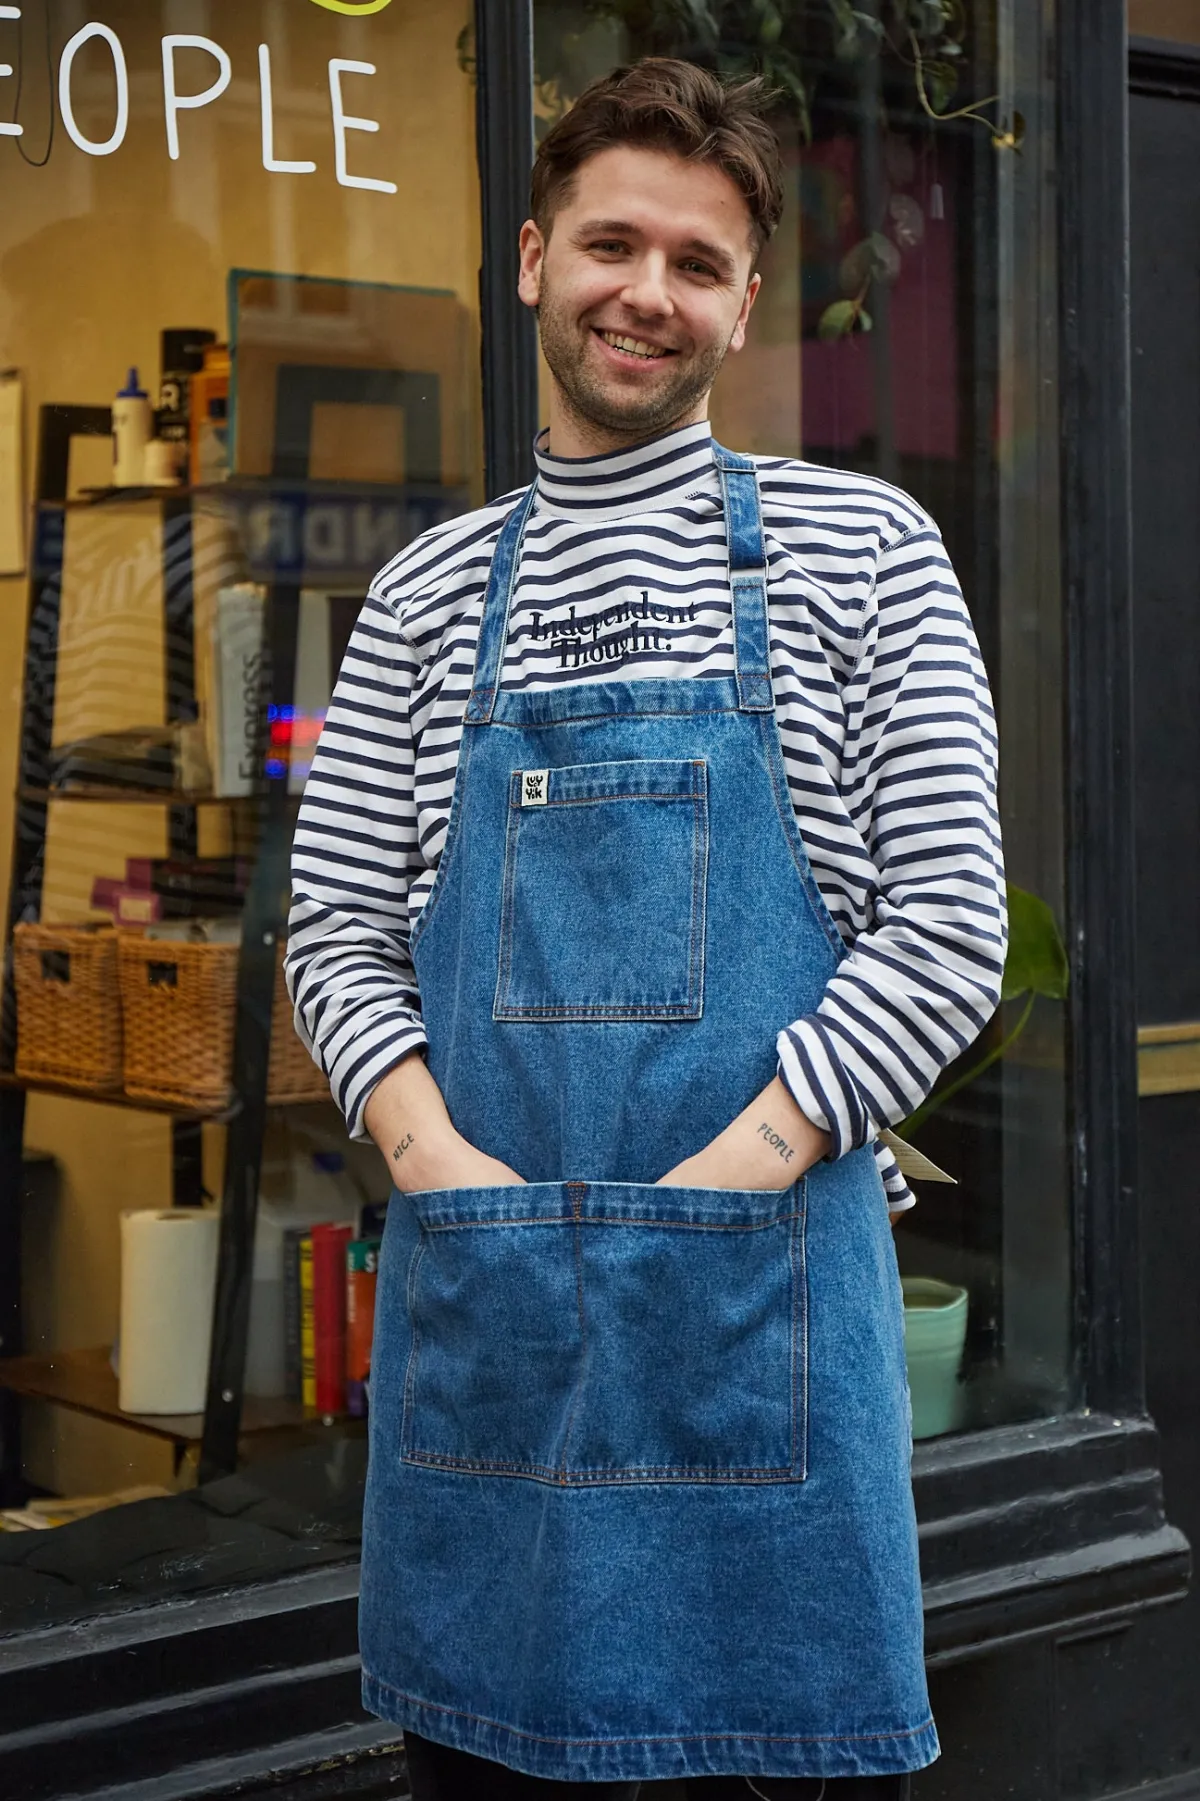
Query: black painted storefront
1064, 1645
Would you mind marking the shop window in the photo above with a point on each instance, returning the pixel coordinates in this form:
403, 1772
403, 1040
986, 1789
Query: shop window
920, 184
252, 232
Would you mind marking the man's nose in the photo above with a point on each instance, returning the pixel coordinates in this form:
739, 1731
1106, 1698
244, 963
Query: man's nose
647, 291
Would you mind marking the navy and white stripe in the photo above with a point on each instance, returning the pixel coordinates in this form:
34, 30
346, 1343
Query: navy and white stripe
884, 715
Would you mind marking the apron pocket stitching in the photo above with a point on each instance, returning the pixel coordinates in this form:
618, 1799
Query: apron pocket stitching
699, 897
628, 1475
612, 1395
799, 1261
539, 979
577, 1248
410, 1373
507, 905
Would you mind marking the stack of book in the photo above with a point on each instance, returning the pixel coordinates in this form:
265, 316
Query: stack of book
329, 1317
155, 888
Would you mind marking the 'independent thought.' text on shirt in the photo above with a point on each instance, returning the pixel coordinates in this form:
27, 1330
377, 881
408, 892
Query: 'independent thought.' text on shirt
884, 716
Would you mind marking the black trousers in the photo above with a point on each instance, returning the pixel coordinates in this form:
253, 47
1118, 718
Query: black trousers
438, 1773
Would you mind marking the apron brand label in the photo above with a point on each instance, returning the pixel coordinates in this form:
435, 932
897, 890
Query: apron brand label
535, 784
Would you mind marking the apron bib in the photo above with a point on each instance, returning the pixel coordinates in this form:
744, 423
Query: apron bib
638, 1503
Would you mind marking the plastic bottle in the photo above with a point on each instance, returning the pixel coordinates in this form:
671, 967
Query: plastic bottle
212, 444
133, 428
160, 463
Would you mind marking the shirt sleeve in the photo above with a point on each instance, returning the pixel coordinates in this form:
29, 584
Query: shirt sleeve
900, 1196
354, 856
921, 982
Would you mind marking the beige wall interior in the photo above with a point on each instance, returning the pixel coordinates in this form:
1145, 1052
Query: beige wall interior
1176, 20
97, 255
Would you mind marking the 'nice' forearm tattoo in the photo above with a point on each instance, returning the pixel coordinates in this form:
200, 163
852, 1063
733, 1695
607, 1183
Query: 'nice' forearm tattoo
403, 1145
776, 1143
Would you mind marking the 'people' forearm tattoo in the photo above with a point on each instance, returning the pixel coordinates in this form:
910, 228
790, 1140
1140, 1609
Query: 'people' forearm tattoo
776, 1142
403, 1145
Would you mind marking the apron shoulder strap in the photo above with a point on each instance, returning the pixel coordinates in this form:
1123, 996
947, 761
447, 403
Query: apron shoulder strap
747, 579
497, 604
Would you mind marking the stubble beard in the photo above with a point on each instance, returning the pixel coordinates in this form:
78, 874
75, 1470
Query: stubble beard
633, 415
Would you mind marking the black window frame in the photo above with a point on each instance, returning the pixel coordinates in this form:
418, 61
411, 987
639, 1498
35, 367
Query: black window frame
1043, 1529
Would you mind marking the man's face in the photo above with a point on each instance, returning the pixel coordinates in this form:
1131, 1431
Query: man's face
643, 286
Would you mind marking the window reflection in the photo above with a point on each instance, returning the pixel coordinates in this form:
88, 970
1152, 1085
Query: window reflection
906, 329
273, 221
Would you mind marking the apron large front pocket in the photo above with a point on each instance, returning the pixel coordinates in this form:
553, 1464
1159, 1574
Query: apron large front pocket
602, 913
582, 1333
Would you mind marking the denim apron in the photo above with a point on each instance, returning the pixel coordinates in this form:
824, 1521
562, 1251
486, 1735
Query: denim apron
639, 1501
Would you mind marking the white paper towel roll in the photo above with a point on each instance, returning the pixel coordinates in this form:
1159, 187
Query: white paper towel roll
168, 1277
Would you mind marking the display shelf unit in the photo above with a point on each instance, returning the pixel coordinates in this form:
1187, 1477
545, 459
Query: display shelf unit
77, 1379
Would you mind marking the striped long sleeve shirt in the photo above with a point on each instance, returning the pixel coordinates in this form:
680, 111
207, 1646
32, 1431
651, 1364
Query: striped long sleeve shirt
884, 717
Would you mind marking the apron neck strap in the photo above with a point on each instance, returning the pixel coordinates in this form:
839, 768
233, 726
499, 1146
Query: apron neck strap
747, 581
497, 605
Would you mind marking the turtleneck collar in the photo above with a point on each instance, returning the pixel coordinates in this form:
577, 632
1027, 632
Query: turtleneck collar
647, 478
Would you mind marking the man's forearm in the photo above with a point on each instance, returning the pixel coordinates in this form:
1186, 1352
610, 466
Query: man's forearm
769, 1145
409, 1121
407, 1118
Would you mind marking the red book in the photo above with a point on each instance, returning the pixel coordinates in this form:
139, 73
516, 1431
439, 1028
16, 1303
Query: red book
329, 1315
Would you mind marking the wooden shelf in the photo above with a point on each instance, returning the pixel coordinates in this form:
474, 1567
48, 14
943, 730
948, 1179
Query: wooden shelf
239, 488
116, 1097
113, 1097
89, 499
84, 1381
141, 797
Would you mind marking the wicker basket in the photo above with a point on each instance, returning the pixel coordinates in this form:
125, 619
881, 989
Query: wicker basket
291, 1075
68, 1006
179, 1003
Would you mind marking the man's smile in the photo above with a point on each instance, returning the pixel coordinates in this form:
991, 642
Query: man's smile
627, 346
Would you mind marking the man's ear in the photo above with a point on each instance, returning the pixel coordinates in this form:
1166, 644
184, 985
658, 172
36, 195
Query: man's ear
533, 252
739, 330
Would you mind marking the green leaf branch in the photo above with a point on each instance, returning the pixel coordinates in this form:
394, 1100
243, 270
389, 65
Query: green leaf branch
787, 41
935, 84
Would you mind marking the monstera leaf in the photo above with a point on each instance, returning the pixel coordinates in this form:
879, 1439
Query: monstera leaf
1036, 964
1037, 959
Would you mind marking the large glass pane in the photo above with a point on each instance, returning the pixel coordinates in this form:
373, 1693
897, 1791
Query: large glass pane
919, 144
270, 212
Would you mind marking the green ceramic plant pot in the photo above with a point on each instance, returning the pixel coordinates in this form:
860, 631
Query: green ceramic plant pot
935, 1330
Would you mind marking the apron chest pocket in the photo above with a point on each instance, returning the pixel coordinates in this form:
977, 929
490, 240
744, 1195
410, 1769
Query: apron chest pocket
597, 1333
602, 909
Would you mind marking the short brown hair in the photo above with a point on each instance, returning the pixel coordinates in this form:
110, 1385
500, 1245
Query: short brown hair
662, 103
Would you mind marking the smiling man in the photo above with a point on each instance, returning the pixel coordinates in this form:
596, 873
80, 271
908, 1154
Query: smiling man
649, 867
